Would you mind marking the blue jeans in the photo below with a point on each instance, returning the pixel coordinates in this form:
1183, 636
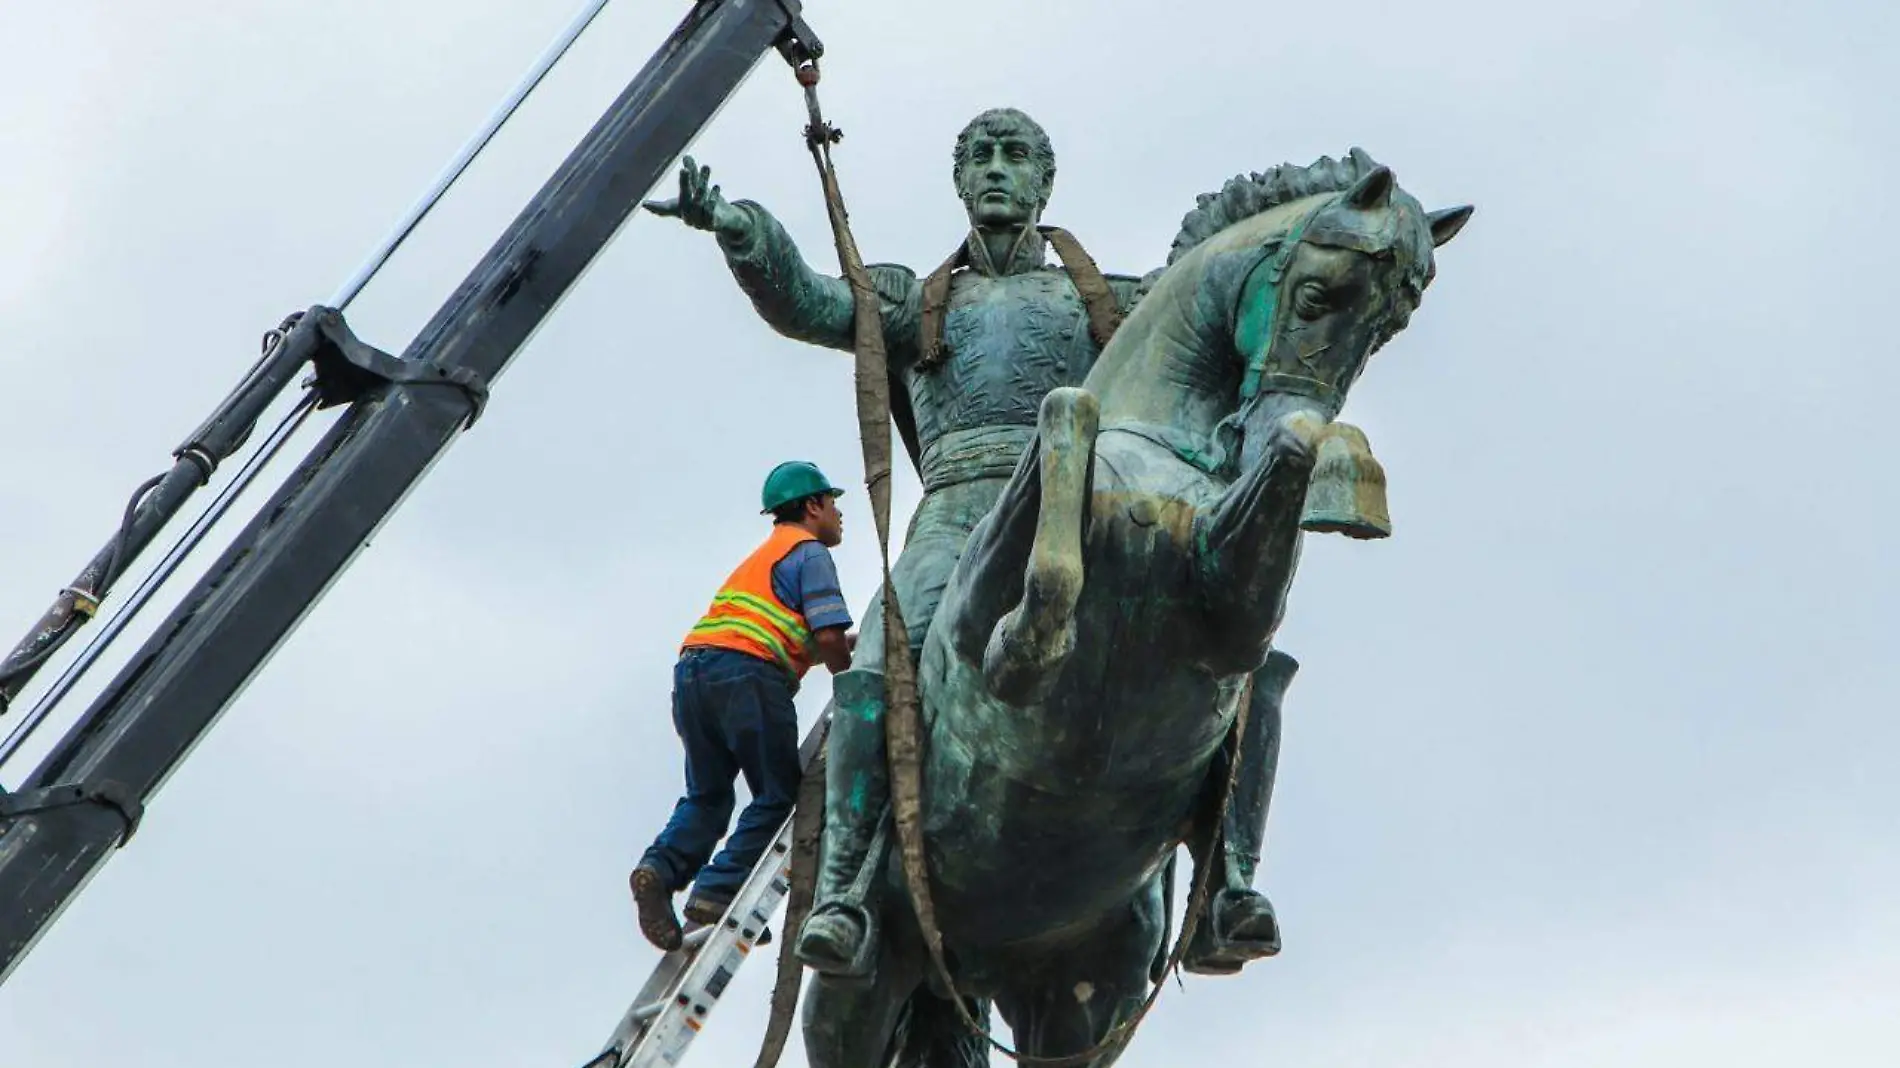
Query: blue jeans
734, 715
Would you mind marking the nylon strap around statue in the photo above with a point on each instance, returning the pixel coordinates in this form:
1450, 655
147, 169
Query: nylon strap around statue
872, 379
903, 732
1104, 311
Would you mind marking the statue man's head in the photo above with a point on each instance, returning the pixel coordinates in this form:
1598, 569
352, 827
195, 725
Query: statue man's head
1005, 169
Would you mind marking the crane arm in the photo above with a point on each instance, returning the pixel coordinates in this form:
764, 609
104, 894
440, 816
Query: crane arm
86, 796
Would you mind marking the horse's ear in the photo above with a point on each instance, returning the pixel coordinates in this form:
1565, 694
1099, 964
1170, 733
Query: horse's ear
1373, 191
1446, 222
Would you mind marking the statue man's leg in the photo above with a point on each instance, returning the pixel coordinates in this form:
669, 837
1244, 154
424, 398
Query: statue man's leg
837, 938
1240, 924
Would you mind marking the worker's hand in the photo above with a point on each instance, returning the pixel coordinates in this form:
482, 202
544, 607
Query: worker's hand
699, 204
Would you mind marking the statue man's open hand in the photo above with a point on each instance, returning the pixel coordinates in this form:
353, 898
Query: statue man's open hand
699, 204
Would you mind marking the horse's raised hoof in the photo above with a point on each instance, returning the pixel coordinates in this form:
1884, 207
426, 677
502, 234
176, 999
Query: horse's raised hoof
836, 942
1240, 927
1347, 492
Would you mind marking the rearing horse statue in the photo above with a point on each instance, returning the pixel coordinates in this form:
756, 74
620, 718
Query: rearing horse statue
1097, 639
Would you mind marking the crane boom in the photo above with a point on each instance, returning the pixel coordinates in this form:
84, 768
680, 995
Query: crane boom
86, 796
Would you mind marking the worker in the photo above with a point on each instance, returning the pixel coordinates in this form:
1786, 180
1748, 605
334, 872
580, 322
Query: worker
738, 669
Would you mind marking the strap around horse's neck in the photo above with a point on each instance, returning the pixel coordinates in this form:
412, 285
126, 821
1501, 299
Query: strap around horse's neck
1091, 285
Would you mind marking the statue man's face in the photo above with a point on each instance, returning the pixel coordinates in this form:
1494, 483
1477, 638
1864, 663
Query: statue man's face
1001, 176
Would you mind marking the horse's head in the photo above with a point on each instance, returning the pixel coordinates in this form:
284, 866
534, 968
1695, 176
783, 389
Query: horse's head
1286, 283
1338, 283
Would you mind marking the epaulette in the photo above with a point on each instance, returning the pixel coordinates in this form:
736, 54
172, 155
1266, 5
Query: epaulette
893, 281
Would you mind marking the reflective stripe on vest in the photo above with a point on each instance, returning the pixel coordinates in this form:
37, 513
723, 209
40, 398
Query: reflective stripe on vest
747, 617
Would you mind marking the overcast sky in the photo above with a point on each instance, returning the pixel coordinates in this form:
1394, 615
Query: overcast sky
1591, 764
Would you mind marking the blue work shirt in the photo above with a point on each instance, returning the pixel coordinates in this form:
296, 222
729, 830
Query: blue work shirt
806, 581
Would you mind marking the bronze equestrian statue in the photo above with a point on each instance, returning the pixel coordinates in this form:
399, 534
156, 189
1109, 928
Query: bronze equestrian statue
1099, 566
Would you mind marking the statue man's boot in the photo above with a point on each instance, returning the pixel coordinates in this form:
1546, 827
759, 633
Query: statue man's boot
1239, 925
841, 933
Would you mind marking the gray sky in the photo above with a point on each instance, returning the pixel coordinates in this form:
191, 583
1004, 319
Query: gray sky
1589, 765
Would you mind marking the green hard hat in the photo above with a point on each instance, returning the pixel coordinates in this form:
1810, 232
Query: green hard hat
793, 480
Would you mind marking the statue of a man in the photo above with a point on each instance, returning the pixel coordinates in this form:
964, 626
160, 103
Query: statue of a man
973, 349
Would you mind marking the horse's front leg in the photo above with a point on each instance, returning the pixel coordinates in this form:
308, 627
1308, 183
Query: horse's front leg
1248, 546
1029, 644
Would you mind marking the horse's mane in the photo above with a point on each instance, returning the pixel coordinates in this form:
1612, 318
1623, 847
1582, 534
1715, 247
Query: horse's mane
1245, 196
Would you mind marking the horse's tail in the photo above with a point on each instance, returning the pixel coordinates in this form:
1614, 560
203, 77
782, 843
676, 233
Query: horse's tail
930, 1034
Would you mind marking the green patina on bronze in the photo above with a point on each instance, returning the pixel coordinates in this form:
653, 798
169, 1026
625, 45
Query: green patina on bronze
1092, 581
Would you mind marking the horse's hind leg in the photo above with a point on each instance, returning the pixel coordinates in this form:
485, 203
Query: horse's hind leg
850, 1024
1067, 1006
933, 1035
1028, 645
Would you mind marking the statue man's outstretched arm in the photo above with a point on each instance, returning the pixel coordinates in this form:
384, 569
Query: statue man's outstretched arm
790, 296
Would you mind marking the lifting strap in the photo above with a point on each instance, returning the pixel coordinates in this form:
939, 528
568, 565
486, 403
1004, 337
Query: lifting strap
1104, 311
903, 732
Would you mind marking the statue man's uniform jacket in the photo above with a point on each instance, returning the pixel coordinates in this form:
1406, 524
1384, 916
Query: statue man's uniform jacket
1010, 335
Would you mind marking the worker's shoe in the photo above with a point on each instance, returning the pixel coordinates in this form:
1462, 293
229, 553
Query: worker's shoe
1240, 925
654, 902
840, 936
706, 910
764, 939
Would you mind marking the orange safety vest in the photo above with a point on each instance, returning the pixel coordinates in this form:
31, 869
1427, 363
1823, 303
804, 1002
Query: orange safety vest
747, 617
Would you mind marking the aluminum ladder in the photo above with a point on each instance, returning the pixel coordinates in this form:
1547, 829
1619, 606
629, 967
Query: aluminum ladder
672, 1006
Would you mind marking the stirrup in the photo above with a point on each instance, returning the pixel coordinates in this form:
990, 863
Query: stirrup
850, 902
1214, 950
863, 956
